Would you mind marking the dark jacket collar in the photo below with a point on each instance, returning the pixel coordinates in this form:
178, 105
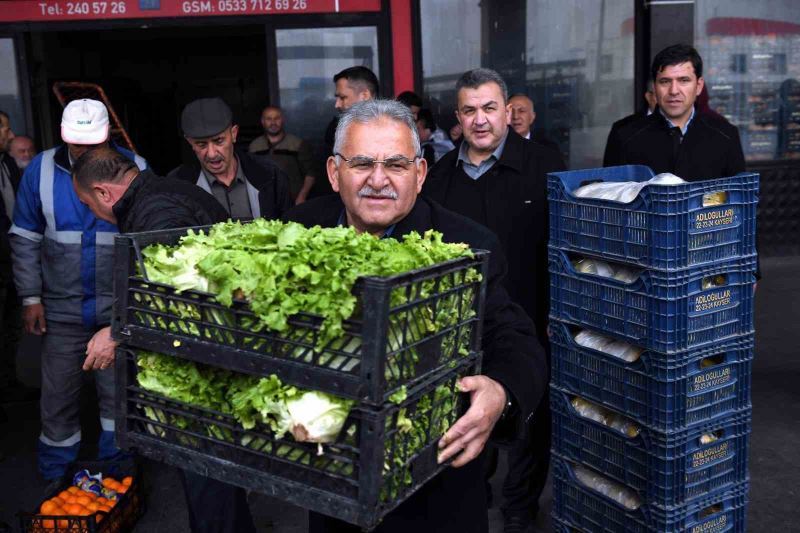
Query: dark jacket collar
61, 157
124, 205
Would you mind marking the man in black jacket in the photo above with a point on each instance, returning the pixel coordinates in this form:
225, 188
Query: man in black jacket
378, 172
244, 187
112, 186
677, 138
499, 180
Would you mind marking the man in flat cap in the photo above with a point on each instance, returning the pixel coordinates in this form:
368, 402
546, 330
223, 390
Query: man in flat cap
246, 188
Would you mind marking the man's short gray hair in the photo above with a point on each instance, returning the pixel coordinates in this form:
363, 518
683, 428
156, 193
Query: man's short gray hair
472, 79
369, 111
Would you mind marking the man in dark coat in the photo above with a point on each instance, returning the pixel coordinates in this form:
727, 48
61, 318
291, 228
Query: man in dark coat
378, 172
644, 112
115, 190
677, 138
246, 188
498, 179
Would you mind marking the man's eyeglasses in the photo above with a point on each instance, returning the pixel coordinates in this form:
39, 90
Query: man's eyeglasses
397, 165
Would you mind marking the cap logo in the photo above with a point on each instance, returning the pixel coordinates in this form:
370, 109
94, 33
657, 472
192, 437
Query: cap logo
82, 122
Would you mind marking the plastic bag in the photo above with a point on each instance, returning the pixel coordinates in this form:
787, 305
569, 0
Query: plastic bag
616, 491
598, 267
619, 349
609, 418
623, 191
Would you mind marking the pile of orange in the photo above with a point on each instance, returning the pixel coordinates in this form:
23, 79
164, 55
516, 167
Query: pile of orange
77, 502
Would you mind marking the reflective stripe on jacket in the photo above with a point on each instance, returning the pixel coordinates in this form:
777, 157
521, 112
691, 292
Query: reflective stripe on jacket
61, 251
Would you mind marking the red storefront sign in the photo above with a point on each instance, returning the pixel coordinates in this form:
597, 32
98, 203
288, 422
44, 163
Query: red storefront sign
66, 10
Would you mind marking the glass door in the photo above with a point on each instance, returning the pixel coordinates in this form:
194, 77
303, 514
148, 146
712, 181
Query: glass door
307, 60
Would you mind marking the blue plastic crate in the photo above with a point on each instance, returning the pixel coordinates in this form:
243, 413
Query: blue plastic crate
665, 227
667, 392
665, 311
576, 506
665, 468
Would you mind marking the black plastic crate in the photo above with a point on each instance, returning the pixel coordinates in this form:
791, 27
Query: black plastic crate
369, 469
583, 509
664, 468
386, 345
122, 517
665, 227
665, 311
667, 392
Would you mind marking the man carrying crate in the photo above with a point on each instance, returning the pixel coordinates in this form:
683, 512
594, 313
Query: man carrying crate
378, 170
117, 192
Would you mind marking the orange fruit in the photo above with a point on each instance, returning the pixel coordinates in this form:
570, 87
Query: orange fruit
111, 503
106, 508
48, 524
63, 524
74, 509
101, 500
93, 506
121, 489
109, 481
83, 500
47, 507
73, 489
57, 500
127, 480
64, 494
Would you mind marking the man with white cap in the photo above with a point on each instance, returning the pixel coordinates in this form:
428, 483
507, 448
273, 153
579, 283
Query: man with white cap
62, 261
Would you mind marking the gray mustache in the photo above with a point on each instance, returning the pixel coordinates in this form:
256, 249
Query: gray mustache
386, 192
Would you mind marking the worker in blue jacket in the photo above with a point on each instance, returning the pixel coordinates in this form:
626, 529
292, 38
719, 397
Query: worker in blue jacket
62, 263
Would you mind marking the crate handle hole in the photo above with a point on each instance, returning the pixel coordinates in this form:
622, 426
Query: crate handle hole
710, 199
712, 360
711, 282
711, 510
712, 436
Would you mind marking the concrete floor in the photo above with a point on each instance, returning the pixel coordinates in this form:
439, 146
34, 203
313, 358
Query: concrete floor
774, 462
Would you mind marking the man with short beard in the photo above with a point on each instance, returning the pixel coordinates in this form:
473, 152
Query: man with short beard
291, 153
245, 188
22, 149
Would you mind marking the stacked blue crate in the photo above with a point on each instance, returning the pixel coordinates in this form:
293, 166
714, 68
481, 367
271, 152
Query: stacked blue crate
657, 440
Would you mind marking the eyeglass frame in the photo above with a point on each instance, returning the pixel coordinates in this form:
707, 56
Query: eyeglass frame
375, 161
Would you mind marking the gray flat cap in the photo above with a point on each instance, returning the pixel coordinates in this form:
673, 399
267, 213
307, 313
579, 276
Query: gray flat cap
205, 117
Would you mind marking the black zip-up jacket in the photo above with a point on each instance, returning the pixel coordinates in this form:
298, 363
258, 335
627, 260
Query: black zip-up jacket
511, 200
155, 203
710, 149
455, 500
270, 181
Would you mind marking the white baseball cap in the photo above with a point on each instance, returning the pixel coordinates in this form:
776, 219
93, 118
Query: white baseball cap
84, 122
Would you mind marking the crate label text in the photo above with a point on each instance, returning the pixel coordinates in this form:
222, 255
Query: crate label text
717, 524
711, 379
710, 455
712, 219
712, 300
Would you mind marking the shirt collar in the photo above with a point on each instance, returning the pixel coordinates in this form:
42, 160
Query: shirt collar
671, 125
239, 177
496, 155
